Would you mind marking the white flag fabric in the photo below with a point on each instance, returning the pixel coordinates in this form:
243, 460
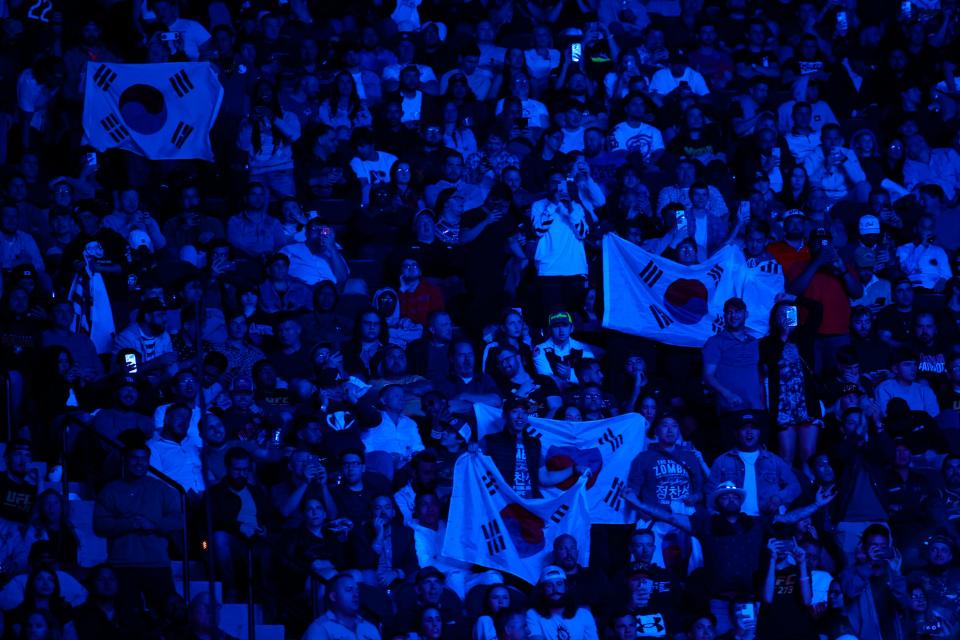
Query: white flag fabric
653, 297
607, 447
761, 285
493, 527
162, 111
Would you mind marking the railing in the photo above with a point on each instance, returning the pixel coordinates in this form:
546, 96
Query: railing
156, 473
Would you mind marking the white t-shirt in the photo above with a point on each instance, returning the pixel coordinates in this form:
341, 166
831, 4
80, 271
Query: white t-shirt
534, 110
401, 437
581, 626
644, 139
751, 506
306, 266
540, 67
412, 107
374, 171
663, 82
560, 249
193, 35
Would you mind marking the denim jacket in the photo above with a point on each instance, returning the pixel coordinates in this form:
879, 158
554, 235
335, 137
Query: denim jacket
774, 476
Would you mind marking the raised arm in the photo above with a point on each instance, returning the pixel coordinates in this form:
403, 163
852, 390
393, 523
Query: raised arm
681, 522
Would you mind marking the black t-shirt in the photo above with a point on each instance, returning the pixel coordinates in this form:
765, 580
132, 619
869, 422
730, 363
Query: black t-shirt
899, 323
786, 617
16, 499
731, 552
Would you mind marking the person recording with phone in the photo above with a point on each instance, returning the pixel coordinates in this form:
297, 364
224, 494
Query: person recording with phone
826, 279
319, 257
786, 592
786, 354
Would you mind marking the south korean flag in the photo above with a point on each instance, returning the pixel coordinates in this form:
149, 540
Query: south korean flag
654, 297
161, 111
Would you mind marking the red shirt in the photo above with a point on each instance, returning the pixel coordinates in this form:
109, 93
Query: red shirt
786, 255
419, 303
828, 290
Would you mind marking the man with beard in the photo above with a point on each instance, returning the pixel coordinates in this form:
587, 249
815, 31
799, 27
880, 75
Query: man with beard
554, 615
793, 247
241, 513
539, 393
587, 585
148, 337
732, 540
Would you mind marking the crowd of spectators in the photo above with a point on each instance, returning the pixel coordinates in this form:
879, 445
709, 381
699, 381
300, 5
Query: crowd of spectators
403, 219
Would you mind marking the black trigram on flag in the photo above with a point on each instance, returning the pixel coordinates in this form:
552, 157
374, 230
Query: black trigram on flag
491, 533
771, 266
613, 495
614, 440
180, 134
651, 273
559, 513
489, 482
715, 274
532, 433
180, 82
114, 128
663, 319
104, 76
718, 323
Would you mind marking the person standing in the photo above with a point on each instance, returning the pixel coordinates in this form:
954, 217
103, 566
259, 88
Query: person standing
135, 514
731, 367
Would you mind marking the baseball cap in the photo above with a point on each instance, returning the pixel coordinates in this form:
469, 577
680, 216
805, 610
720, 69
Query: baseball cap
552, 572
126, 381
747, 419
561, 317
869, 224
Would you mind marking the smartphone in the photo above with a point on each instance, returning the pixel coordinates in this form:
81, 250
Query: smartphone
90, 159
681, 221
169, 36
325, 232
842, 24
791, 314
743, 211
906, 10
576, 51
130, 360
